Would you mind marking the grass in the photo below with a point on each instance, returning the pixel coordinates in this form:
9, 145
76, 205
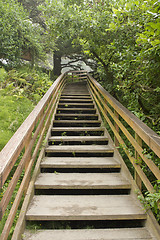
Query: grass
13, 112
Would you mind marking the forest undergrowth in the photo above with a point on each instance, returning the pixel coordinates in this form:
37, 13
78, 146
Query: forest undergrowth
20, 90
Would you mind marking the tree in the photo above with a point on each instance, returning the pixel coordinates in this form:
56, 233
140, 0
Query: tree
123, 37
18, 33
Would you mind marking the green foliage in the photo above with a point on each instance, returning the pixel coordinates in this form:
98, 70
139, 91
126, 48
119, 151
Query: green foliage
152, 200
124, 38
13, 112
3, 75
26, 82
20, 90
18, 33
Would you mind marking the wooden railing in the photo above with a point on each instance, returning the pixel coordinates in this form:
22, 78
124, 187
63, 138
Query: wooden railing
77, 75
24, 147
135, 140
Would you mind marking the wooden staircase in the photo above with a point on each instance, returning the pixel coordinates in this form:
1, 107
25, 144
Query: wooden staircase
84, 190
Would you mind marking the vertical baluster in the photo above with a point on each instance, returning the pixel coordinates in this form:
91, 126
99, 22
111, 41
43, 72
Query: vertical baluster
26, 148
28, 159
117, 129
137, 156
104, 108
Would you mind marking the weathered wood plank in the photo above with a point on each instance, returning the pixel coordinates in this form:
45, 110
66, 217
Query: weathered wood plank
79, 162
92, 234
78, 138
46, 207
76, 104
63, 96
81, 148
63, 100
77, 121
81, 181
70, 93
75, 129
76, 114
62, 110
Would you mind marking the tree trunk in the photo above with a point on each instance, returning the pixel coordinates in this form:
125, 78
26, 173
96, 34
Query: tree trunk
57, 63
109, 74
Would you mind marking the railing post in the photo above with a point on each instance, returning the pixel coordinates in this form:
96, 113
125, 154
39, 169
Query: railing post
138, 158
28, 158
104, 108
26, 147
116, 142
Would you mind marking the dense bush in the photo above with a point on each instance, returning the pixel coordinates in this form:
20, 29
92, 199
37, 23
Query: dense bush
18, 33
20, 90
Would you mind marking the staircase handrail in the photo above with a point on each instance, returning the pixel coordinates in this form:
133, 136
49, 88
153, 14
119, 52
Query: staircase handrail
25, 143
111, 108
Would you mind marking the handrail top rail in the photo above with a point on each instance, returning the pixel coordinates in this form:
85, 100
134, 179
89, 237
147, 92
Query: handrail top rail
151, 138
18, 140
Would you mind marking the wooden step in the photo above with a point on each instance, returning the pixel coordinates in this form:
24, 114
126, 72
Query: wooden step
75, 88
79, 138
79, 129
81, 181
74, 116
79, 162
73, 94
75, 100
80, 149
90, 234
96, 131
76, 123
75, 105
83, 207
76, 110
75, 97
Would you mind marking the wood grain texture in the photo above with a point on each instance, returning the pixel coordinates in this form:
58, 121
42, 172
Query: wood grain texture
93, 234
81, 181
81, 148
92, 207
80, 162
